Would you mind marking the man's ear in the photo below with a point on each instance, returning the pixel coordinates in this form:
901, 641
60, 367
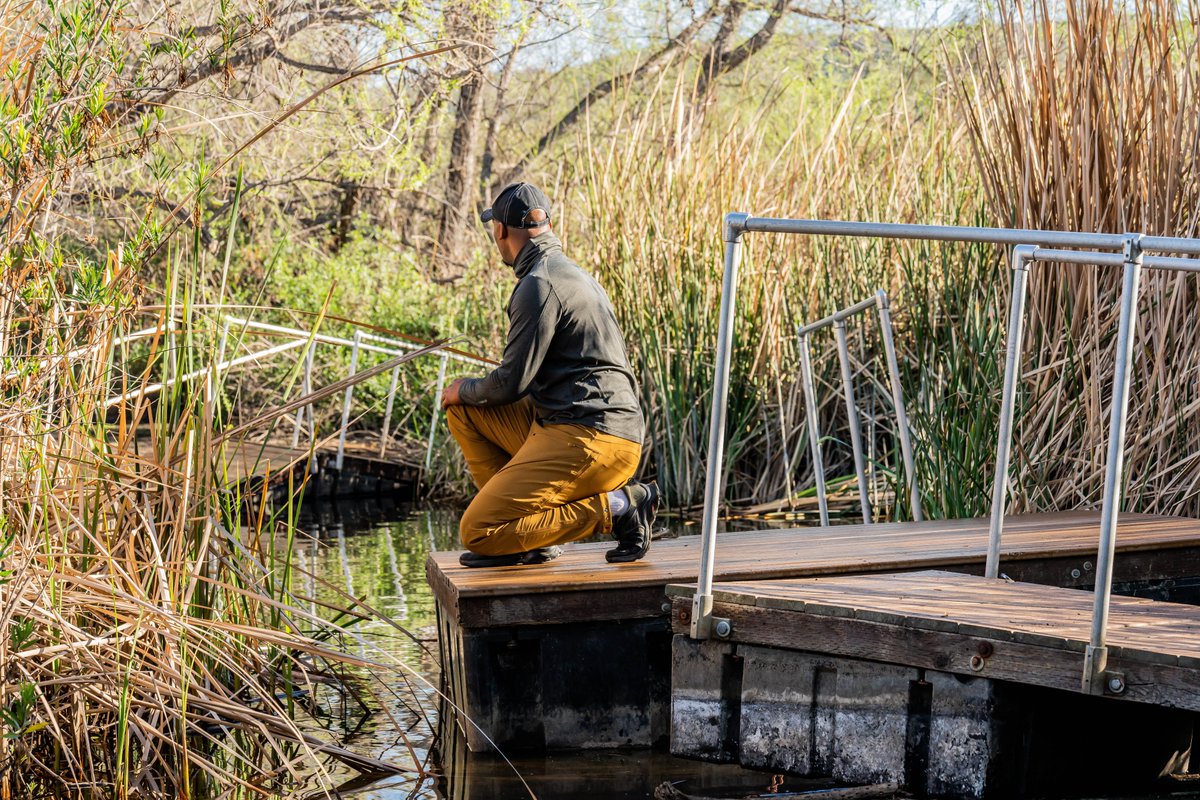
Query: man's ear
501, 231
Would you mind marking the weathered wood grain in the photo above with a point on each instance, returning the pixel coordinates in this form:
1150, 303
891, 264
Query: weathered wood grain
1043, 547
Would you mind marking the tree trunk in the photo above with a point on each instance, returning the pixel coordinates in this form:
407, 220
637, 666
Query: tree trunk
466, 21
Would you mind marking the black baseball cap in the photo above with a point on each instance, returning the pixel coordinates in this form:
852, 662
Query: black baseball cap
515, 203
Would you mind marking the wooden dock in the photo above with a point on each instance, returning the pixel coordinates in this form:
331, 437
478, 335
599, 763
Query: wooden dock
363, 472
969, 625
580, 585
937, 681
576, 652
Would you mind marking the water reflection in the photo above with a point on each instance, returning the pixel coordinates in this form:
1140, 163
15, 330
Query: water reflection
376, 554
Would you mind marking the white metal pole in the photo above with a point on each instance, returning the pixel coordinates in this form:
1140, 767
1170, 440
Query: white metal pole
341, 448
1096, 655
701, 622
814, 433
305, 389
314, 466
902, 429
387, 414
1022, 255
860, 468
437, 405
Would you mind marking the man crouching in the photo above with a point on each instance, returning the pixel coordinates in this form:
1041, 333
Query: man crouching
553, 435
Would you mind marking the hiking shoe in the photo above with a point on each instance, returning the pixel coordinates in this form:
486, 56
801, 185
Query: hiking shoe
633, 529
539, 556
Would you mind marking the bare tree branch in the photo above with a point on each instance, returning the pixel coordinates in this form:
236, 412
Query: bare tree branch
601, 90
724, 61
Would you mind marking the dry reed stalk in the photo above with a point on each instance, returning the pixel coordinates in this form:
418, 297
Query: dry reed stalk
1087, 117
148, 632
650, 197
150, 643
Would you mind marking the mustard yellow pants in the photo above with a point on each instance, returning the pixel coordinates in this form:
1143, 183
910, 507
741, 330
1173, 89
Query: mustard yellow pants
539, 485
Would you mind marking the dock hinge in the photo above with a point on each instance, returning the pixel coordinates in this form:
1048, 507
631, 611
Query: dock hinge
1097, 678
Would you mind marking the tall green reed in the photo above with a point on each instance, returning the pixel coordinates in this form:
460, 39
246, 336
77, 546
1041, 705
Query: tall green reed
152, 642
646, 217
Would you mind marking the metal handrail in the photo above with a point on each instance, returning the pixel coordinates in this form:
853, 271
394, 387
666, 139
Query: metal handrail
302, 338
878, 301
358, 343
1029, 245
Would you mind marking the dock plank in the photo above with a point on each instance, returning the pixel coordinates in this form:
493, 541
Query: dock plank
526, 595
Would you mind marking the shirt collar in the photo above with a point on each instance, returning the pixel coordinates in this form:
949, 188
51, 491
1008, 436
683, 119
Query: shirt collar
534, 250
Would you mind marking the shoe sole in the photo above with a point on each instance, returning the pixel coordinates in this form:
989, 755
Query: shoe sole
507, 561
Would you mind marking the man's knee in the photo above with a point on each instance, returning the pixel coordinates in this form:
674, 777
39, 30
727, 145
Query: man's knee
475, 531
456, 418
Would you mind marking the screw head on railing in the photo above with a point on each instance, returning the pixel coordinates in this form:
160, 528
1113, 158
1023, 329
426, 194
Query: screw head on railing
1132, 249
1116, 684
722, 629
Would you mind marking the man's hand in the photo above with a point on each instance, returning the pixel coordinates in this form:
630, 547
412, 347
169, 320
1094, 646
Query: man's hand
450, 393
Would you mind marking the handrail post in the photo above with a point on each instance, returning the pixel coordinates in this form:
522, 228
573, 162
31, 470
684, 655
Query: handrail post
387, 414
702, 622
341, 448
433, 418
860, 469
893, 364
305, 389
315, 466
814, 433
1095, 660
1022, 255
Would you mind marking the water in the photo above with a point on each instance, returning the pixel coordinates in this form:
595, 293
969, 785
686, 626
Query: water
377, 554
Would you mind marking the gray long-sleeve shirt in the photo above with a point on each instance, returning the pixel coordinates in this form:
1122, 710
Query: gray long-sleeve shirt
565, 349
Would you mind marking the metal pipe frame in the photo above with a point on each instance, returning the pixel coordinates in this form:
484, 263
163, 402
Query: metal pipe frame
744, 223
341, 448
1132, 247
702, 621
1096, 656
838, 316
837, 319
154, 388
814, 434
1021, 256
902, 429
397, 347
860, 468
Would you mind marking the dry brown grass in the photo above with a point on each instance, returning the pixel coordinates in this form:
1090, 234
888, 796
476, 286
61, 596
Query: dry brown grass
1088, 119
150, 638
